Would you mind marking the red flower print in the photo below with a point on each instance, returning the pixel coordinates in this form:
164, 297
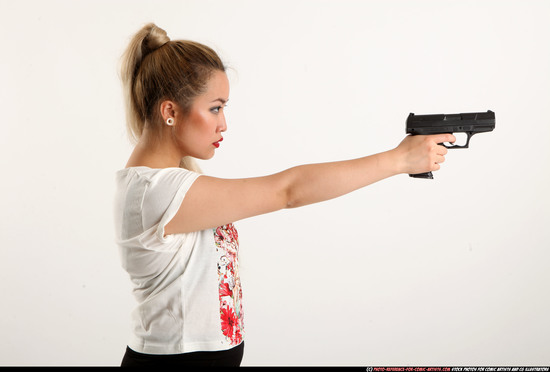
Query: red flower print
229, 284
225, 290
229, 322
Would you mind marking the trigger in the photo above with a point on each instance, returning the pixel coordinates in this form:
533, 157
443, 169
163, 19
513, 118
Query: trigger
462, 140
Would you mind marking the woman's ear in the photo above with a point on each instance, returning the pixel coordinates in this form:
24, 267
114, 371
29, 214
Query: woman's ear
168, 110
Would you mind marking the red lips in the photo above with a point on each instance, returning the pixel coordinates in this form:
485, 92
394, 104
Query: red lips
217, 144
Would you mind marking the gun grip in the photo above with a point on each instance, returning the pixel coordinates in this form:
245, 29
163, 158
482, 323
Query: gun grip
427, 175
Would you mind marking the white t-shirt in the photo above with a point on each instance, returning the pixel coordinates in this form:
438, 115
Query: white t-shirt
187, 285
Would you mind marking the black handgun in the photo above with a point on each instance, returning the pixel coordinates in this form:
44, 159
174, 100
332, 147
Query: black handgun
469, 123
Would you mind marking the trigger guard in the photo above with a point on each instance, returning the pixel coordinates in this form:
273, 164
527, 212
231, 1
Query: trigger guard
465, 146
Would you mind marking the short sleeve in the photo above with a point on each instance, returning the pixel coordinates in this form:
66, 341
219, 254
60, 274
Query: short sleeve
161, 201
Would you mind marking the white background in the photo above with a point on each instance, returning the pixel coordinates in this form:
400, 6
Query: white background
451, 271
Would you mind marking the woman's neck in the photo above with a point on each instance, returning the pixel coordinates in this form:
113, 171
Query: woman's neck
154, 154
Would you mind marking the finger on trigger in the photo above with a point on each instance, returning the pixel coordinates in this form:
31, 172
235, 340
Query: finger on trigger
445, 137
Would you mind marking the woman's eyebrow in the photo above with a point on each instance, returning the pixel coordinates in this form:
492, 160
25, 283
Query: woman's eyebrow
223, 101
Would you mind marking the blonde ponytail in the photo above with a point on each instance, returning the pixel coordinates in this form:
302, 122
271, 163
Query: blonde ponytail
145, 41
154, 68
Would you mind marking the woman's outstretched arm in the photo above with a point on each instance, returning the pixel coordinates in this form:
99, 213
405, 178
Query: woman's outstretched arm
212, 202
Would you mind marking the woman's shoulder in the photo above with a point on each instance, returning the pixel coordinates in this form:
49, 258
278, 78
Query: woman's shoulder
148, 172
155, 180
134, 174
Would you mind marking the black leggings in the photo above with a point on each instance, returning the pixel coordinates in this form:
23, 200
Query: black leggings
227, 358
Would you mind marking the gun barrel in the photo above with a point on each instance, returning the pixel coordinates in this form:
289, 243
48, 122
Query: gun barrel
473, 122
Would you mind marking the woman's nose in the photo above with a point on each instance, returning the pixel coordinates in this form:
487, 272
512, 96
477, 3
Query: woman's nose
223, 124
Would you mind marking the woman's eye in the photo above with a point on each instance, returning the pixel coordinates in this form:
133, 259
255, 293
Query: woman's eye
216, 110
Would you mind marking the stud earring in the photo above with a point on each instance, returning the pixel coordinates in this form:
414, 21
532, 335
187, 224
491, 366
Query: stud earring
170, 121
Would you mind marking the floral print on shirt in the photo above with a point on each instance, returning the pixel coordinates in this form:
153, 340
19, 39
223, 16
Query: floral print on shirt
230, 292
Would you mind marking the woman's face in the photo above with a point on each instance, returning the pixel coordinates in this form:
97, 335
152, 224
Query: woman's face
199, 133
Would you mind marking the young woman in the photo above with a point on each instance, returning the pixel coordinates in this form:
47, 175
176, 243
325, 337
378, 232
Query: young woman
174, 226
